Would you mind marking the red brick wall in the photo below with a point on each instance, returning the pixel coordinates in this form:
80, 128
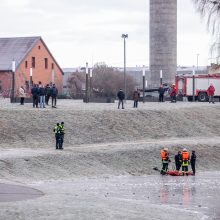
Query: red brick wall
40, 73
5, 83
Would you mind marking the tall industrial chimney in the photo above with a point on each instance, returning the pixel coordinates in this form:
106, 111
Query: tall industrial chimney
163, 41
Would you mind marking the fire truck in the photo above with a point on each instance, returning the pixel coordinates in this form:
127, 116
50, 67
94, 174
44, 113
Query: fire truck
201, 83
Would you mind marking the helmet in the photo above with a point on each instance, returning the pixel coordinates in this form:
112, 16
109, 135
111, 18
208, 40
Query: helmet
184, 149
173, 84
166, 149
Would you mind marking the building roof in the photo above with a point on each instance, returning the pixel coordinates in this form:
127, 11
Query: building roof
15, 49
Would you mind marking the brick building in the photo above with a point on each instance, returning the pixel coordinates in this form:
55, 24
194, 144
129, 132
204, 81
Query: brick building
27, 52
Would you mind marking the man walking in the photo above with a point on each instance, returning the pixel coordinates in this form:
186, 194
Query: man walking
161, 91
193, 162
136, 97
121, 97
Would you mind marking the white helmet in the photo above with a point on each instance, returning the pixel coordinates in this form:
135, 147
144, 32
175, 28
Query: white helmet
166, 149
184, 149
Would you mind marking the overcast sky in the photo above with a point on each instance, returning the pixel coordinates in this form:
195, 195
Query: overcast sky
77, 31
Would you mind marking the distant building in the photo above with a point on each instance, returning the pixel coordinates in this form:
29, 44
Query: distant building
27, 52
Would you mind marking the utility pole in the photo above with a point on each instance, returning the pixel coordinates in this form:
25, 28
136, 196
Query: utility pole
161, 77
143, 84
87, 83
13, 82
193, 79
90, 82
124, 36
31, 74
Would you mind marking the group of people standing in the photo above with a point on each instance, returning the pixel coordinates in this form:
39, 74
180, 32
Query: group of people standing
182, 159
41, 95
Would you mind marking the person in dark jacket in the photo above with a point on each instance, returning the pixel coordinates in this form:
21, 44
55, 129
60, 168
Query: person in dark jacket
35, 94
48, 93
161, 91
193, 162
56, 131
42, 93
54, 93
62, 132
136, 97
178, 160
121, 97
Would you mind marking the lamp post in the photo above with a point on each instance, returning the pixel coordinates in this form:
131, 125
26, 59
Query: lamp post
31, 74
90, 82
193, 78
13, 81
143, 83
124, 36
197, 61
87, 83
161, 77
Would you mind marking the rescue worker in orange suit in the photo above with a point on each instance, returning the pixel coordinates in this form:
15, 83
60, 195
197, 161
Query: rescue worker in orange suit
173, 93
193, 162
165, 160
178, 160
185, 161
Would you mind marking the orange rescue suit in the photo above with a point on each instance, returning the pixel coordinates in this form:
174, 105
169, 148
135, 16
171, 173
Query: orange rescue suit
163, 154
185, 155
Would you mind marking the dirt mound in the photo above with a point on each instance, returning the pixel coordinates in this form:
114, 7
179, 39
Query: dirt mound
33, 127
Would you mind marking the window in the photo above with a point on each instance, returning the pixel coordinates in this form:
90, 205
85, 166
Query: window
52, 66
46, 63
26, 64
39, 47
33, 62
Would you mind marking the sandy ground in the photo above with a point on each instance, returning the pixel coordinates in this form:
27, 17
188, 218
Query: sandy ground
102, 144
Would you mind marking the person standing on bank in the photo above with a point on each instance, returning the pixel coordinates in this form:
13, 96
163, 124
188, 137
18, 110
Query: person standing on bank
35, 93
211, 93
178, 160
56, 131
62, 132
136, 97
42, 93
173, 93
21, 95
121, 97
161, 92
54, 93
193, 162
48, 93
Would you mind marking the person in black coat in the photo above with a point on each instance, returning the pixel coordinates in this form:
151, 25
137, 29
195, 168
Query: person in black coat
178, 160
161, 91
48, 93
121, 97
54, 93
193, 162
35, 94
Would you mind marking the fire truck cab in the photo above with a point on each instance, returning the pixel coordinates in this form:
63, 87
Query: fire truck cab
201, 83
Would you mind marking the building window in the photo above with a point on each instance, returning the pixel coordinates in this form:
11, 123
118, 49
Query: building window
52, 66
33, 62
26, 64
46, 63
39, 47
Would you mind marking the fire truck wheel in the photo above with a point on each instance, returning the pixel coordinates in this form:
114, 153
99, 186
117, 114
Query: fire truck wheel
202, 97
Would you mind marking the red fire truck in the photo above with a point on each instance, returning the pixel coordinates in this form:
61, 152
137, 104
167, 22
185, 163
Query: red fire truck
184, 85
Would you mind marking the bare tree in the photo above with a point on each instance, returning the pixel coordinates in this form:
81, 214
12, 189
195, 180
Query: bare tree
210, 10
108, 80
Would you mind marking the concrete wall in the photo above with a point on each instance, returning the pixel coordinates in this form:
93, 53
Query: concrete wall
163, 40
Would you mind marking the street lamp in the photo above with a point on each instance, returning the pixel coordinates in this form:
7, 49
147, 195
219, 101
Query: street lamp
31, 74
13, 68
161, 77
90, 79
193, 78
143, 84
124, 36
87, 82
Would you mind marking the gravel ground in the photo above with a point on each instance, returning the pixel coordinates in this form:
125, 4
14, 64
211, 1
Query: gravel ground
102, 144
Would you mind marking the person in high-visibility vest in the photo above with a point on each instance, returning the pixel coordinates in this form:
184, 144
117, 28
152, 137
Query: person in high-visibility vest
56, 131
165, 160
185, 161
62, 132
